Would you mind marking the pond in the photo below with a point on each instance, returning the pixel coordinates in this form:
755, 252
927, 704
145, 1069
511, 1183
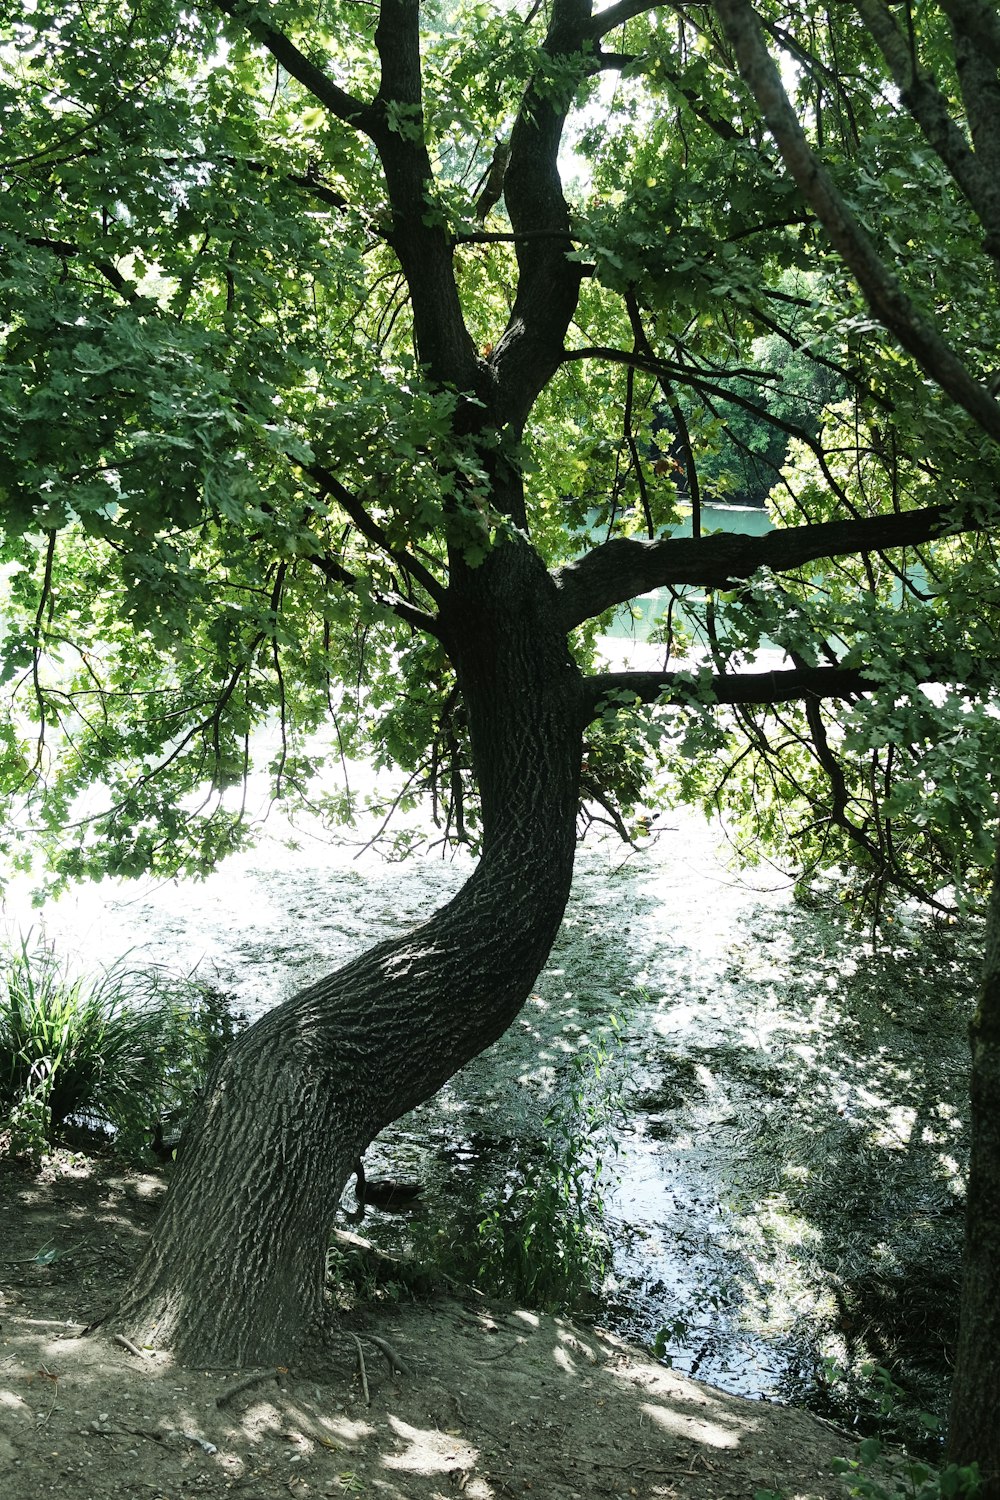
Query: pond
780, 1113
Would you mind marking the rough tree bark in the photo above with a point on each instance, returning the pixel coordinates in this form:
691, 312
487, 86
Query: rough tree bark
974, 1419
234, 1272
235, 1269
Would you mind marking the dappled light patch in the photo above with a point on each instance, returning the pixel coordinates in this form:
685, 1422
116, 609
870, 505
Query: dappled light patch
573, 1342
148, 1187
428, 1451
686, 1424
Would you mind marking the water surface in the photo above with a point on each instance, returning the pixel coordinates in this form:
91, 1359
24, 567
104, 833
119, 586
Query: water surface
787, 1101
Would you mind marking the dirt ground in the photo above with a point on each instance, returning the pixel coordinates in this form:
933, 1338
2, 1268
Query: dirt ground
419, 1401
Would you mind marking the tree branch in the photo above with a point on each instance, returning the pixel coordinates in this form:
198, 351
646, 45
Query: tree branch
405, 561
335, 572
980, 87
929, 107
643, 346
284, 51
625, 567
491, 237
617, 15
666, 371
724, 129
529, 351
419, 231
66, 249
978, 21
886, 298
746, 688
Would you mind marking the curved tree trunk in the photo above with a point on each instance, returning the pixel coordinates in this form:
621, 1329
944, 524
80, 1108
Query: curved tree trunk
974, 1419
234, 1273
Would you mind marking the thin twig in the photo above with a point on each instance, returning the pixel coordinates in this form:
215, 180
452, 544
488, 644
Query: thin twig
361, 1367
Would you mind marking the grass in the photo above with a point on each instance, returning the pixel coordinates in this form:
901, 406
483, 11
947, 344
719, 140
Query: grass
116, 1051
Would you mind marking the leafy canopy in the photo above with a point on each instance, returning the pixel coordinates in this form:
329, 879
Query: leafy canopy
233, 475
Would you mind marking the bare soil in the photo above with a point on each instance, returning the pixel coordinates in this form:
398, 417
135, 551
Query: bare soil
419, 1401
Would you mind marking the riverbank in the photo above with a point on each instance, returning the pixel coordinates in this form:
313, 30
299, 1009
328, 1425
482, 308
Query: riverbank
785, 1100
492, 1401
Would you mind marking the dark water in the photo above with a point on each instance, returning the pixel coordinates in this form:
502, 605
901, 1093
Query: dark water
782, 1106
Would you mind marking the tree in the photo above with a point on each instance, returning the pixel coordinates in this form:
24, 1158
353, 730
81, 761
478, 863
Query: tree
306, 429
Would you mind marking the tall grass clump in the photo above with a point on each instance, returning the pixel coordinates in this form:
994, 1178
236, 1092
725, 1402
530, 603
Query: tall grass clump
115, 1052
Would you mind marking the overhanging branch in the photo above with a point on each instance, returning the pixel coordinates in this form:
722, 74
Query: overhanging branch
625, 567
745, 688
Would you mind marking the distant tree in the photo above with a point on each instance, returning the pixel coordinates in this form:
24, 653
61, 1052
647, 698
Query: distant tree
303, 427
744, 441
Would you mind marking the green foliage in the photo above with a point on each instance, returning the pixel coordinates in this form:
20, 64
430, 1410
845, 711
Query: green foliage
899, 786
878, 1474
116, 1052
223, 464
540, 1240
882, 1473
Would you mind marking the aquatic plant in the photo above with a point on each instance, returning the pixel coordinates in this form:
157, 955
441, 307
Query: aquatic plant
540, 1237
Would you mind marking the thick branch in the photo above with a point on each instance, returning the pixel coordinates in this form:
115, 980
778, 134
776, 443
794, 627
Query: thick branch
617, 15
394, 122
929, 108
980, 86
978, 21
419, 234
882, 291
624, 568
284, 51
746, 688
528, 352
